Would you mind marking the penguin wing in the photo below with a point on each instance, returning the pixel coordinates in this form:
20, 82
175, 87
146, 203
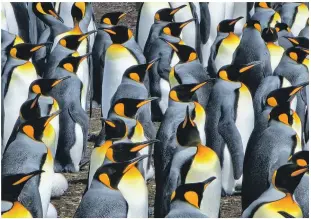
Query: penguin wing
134, 48
138, 20
267, 85
22, 18
211, 61
228, 130
164, 66
205, 22
6, 77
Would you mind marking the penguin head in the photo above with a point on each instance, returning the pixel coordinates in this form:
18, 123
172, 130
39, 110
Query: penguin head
264, 5
185, 92
112, 18
283, 95
115, 129
167, 14
192, 193
282, 27
123, 151
227, 26
45, 11
235, 72
71, 63
282, 113
12, 185
111, 174
288, 176
34, 128
174, 28
72, 42
253, 24
138, 72
269, 35
299, 41
119, 34
185, 53
25, 51
187, 133
298, 54
300, 158
78, 11
128, 107
30, 108
45, 85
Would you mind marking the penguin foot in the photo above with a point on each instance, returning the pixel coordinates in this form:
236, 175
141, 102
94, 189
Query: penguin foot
71, 168
91, 138
60, 185
57, 167
52, 213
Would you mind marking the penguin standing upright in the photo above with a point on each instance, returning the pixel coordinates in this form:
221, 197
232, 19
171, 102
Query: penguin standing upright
275, 144
17, 75
305, 31
283, 31
266, 15
123, 53
230, 122
12, 187
253, 48
26, 153
182, 202
73, 119
224, 46
295, 15
280, 196
157, 82
117, 190
145, 19
102, 42
161, 19
270, 36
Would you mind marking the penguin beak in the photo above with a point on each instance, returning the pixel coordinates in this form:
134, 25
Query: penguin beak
185, 23
84, 57
300, 171
27, 177
52, 116
142, 145
235, 21
134, 162
54, 14
174, 11
170, 44
35, 101
121, 16
86, 35
198, 86
39, 46
292, 40
110, 31
208, 181
249, 66
150, 64
59, 80
108, 122
146, 101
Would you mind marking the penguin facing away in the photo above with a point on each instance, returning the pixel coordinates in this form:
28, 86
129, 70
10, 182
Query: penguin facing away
305, 31
117, 190
266, 15
283, 31
187, 198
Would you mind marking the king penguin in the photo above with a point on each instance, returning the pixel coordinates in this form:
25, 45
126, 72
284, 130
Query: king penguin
270, 36
305, 31
123, 53
275, 145
266, 15
283, 31
117, 190
295, 15
145, 19
253, 48
187, 199
17, 75
280, 195
102, 42
26, 153
12, 187
230, 122
224, 46
73, 126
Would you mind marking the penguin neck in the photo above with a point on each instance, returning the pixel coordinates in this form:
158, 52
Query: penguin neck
138, 133
17, 211
103, 25
173, 103
170, 38
58, 28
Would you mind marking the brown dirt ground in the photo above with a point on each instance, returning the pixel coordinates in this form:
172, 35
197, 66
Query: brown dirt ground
67, 204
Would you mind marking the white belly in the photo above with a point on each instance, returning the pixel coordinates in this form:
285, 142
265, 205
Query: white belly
117, 60
83, 73
144, 151
189, 31
224, 56
165, 89
55, 125
97, 159
77, 148
228, 181
174, 60
300, 20
146, 20
293, 104
16, 95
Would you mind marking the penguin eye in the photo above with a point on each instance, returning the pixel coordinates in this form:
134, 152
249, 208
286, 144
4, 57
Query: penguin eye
107, 21
25, 178
283, 118
192, 197
39, 8
272, 101
167, 31
68, 67
134, 76
293, 56
36, 89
